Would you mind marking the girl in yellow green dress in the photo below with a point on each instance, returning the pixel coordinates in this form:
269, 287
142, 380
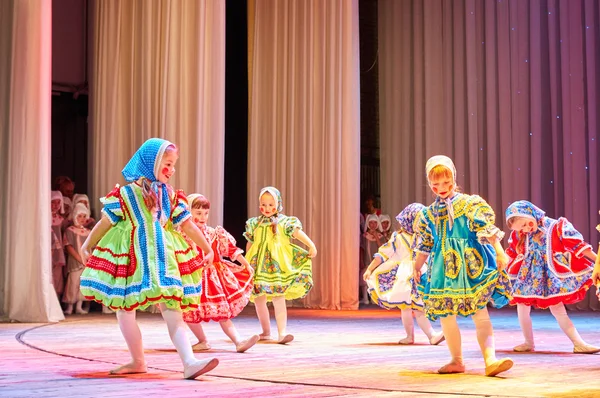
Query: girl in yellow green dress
135, 257
282, 270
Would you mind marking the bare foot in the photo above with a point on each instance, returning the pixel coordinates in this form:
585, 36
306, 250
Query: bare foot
247, 344
130, 368
501, 365
452, 367
407, 340
201, 346
288, 338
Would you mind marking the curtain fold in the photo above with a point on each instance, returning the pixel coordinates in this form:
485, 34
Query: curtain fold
159, 71
305, 131
25, 90
508, 89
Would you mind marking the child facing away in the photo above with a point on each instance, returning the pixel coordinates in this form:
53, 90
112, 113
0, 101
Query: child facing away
73, 239
139, 259
390, 276
465, 267
550, 266
226, 286
282, 270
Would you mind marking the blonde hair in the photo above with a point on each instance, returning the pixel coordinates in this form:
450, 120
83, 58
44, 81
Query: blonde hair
510, 222
150, 197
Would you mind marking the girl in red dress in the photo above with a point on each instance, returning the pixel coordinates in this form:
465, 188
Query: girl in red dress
550, 266
226, 286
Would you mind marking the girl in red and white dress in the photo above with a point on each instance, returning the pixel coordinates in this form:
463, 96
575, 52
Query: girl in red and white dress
226, 286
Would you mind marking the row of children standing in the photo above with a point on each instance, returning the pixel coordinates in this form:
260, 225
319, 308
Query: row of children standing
149, 249
71, 223
446, 260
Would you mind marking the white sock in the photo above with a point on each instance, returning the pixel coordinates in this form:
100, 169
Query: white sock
453, 338
176, 326
133, 336
424, 323
524, 312
485, 335
230, 330
560, 313
407, 322
262, 311
280, 315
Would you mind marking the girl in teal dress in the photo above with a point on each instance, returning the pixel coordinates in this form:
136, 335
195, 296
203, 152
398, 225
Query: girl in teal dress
466, 267
282, 270
139, 259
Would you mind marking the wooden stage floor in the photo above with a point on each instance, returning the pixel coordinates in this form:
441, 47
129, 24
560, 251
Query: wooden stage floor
335, 354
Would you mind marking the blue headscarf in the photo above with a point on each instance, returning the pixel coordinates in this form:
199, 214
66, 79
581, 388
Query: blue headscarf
145, 163
407, 217
523, 208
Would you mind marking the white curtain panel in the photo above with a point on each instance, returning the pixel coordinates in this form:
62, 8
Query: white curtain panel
305, 130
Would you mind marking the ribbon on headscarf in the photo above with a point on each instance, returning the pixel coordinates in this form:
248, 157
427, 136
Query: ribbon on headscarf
145, 163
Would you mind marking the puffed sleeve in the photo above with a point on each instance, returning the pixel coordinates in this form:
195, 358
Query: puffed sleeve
571, 238
423, 240
227, 244
290, 225
387, 249
251, 225
112, 202
180, 212
481, 218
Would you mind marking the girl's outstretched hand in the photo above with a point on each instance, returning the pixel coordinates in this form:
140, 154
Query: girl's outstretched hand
502, 261
367, 274
312, 251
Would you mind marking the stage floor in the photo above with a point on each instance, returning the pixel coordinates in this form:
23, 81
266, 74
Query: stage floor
335, 354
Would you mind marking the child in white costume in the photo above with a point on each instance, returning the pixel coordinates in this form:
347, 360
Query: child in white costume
58, 252
385, 222
372, 238
73, 239
389, 278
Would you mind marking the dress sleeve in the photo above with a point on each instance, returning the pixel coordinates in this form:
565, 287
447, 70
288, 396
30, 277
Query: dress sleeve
227, 244
571, 238
423, 240
180, 212
70, 239
113, 205
387, 249
481, 220
251, 225
290, 225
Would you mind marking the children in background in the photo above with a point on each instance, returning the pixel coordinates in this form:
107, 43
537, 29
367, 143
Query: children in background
465, 267
226, 286
282, 270
596, 272
140, 259
550, 266
390, 275
372, 240
74, 237
58, 252
386, 226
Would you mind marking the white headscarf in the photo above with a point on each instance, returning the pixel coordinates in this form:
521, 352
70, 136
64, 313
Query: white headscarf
382, 218
372, 217
78, 197
79, 208
56, 195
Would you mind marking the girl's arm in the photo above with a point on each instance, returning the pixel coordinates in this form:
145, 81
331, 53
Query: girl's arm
194, 233
377, 261
590, 255
419, 261
99, 230
248, 246
302, 237
73, 253
502, 258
